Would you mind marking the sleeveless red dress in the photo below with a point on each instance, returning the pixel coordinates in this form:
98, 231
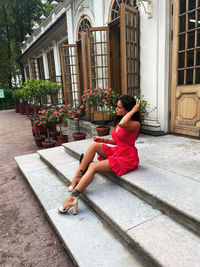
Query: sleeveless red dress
124, 156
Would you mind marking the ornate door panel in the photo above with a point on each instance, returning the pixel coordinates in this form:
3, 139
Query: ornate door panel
129, 20
185, 86
70, 73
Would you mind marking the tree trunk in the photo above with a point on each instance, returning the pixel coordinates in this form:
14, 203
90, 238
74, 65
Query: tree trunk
8, 46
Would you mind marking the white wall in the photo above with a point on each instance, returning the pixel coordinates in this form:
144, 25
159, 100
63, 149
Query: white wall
154, 60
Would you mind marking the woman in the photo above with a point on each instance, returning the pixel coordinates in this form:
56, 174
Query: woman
119, 159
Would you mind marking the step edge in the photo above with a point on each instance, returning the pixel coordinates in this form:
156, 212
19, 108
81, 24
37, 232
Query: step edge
122, 234
184, 218
110, 231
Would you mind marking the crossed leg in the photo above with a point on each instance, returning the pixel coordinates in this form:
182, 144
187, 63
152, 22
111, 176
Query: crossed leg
87, 159
94, 167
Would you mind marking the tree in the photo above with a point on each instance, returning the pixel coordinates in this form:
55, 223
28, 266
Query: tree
17, 18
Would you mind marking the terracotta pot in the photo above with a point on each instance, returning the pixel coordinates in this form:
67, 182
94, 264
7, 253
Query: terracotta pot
62, 139
103, 130
22, 109
17, 108
43, 130
27, 109
39, 140
50, 144
54, 135
79, 136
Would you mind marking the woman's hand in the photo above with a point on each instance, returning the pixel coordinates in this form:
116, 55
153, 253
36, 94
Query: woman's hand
137, 105
98, 139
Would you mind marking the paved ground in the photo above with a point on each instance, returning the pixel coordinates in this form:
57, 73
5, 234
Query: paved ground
177, 154
26, 237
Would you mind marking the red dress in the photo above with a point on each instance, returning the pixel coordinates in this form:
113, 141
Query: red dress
123, 157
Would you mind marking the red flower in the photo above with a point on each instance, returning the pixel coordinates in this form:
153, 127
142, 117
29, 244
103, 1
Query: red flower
104, 100
57, 119
43, 111
64, 106
69, 105
82, 106
69, 112
76, 119
78, 112
86, 109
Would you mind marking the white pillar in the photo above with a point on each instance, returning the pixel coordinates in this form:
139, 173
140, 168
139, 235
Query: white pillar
163, 65
57, 59
70, 27
98, 13
45, 62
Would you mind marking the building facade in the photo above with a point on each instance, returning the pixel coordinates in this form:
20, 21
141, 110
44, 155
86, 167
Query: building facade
146, 46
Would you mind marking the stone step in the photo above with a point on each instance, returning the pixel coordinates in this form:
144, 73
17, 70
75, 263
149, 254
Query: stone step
175, 195
88, 241
131, 217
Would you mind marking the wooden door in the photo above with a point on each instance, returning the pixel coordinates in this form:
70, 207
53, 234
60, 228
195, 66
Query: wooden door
129, 44
70, 73
185, 82
99, 57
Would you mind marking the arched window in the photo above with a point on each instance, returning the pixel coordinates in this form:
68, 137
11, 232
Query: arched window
83, 26
116, 7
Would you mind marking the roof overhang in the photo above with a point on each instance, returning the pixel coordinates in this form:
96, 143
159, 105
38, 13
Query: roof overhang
52, 34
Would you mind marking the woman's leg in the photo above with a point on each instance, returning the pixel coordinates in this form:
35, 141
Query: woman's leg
87, 159
98, 166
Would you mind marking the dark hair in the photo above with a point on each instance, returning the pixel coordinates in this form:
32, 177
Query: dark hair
128, 102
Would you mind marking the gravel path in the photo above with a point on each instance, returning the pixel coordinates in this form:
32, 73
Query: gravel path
26, 237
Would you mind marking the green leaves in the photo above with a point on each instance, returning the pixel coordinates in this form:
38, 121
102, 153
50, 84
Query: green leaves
36, 89
17, 18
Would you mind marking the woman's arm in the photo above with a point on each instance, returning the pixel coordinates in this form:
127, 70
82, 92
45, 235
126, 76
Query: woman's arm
99, 139
127, 123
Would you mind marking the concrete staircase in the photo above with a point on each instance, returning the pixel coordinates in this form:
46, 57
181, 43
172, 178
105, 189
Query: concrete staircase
150, 217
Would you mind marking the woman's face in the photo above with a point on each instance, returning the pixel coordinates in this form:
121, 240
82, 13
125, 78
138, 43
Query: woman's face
120, 110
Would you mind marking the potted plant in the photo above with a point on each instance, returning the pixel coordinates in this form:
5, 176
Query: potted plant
16, 97
63, 118
102, 99
74, 112
48, 118
36, 129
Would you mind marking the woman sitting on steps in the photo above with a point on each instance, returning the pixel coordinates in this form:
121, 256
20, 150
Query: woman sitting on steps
119, 159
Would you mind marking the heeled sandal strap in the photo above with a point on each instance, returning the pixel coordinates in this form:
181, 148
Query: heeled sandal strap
75, 193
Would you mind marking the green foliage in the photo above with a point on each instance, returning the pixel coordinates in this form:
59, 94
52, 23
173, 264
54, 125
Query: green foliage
7, 102
16, 20
36, 89
144, 107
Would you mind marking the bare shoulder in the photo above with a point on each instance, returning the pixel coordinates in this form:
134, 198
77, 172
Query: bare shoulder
133, 126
